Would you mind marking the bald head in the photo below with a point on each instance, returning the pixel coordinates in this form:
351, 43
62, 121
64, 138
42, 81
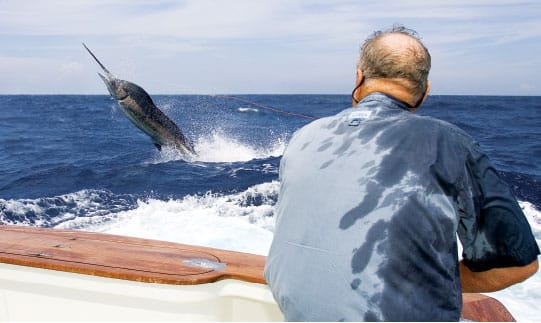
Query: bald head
397, 55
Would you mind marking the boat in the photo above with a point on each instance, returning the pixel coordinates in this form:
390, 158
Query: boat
66, 275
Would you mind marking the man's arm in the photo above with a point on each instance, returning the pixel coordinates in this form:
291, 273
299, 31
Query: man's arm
494, 279
499, 248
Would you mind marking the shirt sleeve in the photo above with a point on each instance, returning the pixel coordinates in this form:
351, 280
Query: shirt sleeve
493, 229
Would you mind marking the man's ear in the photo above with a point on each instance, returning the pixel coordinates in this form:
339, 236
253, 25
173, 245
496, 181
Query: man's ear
359, 77
425, 95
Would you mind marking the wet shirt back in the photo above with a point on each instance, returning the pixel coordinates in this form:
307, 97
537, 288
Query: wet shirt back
370, 204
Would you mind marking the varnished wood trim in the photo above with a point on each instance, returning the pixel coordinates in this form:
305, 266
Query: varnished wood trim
123, 257
482, 308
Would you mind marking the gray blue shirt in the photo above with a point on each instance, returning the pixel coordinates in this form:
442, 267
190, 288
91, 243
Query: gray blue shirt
371, 202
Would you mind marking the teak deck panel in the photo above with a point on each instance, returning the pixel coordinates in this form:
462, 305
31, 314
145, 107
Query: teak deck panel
154, 261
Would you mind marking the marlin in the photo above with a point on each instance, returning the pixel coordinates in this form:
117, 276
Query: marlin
138, 106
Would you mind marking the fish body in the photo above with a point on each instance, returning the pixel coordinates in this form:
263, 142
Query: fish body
138, 106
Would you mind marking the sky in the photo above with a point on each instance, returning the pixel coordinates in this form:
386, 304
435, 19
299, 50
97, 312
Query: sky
478, 47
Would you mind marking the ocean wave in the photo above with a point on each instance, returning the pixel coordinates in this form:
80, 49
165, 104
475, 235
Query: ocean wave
51, 211
241, 221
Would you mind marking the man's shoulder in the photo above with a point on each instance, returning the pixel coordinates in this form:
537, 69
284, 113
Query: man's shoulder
327, 122
431, 124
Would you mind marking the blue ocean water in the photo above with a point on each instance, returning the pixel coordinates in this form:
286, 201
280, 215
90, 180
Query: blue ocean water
56, 145
76, 162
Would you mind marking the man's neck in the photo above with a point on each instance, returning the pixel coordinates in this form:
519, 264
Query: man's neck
390, 87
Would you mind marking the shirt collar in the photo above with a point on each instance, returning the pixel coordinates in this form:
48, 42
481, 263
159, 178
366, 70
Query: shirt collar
384, 99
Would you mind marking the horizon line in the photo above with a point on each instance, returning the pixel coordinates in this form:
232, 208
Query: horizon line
260, 94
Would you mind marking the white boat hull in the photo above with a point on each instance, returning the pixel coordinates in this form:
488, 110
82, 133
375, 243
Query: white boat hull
34, 294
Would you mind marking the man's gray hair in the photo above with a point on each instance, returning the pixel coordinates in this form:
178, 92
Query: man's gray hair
411, 65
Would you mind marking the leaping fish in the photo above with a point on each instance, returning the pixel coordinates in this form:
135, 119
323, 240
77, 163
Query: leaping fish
138, 106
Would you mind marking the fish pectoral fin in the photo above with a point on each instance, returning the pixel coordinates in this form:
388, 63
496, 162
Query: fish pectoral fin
158, 146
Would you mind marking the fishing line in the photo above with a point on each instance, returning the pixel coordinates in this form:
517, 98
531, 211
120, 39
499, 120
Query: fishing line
266, 107
262, 106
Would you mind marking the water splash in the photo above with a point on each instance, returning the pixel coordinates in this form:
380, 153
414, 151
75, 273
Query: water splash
217, 147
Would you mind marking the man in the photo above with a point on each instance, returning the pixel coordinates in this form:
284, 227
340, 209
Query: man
372, 199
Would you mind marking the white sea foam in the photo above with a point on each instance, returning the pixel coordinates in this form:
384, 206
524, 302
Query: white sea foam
534, 218
218, 147
242, 222
247, 109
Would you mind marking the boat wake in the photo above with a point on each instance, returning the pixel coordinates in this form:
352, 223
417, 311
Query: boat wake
242, 221
53, 211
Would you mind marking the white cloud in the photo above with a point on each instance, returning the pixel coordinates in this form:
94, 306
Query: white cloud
71, 68
258, 42
43, 76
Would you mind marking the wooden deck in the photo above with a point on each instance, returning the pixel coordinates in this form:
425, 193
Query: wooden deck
161, 262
